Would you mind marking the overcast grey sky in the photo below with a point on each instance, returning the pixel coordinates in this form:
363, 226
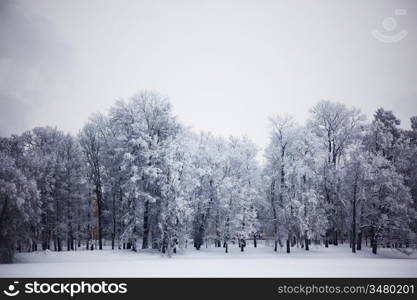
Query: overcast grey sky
226, 65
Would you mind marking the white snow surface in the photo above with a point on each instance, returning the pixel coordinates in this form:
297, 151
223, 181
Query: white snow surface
335, 261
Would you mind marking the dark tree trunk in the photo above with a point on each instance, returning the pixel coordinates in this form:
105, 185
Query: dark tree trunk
374, 243
59, 244
359, 243
355, 188
374, 248
44, 243
70, 243
242, 244
198, 239
275, 214
254, 240
306, 243
217, 242
164, 245
100, 217
113, 237
44, 234
288, 245
145, 240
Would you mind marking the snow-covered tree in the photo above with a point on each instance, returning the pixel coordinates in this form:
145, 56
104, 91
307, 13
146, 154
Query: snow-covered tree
146, 127
356, 176
292, 173
388, 210
337, 127
92, 147
19, 210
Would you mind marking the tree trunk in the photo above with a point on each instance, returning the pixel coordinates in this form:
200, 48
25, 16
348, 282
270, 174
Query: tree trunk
359, 243
254, 240
335, 242
198, 239
113, 237
275, 214
100, 221
355, 188
374, 243
217, 242
59, 244
288, 245
145, 239
44, 233
374, 247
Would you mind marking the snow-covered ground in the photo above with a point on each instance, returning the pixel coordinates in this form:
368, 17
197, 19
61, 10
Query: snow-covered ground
213, 262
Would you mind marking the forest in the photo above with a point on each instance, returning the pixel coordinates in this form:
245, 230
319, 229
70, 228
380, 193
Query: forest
138, 178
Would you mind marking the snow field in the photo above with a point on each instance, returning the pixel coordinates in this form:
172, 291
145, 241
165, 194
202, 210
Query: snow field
213, 262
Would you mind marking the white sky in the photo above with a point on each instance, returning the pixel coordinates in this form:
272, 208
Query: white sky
226, 65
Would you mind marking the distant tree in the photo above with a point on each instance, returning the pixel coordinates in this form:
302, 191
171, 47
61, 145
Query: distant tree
91, 143
384, 134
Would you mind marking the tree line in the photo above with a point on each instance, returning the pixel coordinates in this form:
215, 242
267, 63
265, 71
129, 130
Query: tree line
138, 177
